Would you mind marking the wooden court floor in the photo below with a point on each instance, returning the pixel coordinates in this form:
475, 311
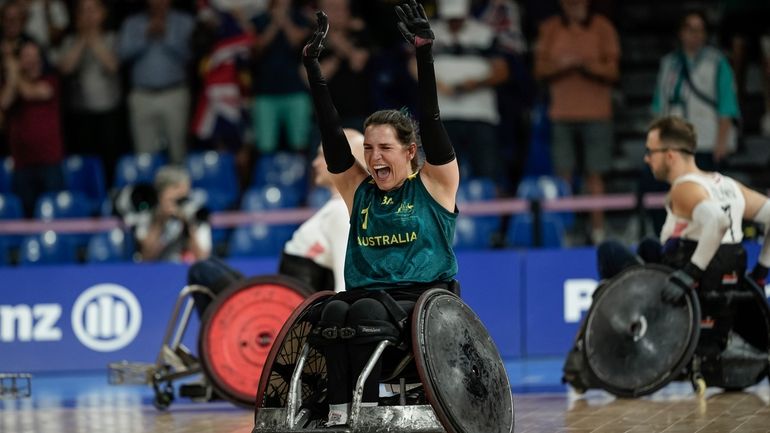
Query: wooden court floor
104, 409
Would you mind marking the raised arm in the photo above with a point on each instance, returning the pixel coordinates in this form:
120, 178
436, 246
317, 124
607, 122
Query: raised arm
441, 174
346, 173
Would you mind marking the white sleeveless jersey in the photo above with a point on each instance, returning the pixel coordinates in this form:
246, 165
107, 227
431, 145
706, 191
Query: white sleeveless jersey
721, 189
324, 238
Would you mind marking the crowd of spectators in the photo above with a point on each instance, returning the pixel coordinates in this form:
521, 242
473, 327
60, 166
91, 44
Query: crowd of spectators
113, 77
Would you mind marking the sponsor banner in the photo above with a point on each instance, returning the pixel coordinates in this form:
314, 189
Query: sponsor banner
491, 285
65, 318
558, 285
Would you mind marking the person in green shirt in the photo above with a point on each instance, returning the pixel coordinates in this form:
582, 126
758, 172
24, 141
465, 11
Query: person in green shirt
402, 216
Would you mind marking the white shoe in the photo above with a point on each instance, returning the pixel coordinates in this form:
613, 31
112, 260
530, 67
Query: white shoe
338, 415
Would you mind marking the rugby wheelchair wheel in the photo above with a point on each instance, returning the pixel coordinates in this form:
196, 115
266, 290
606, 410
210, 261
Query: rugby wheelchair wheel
274, 381
460, 367
239, 329
634, 343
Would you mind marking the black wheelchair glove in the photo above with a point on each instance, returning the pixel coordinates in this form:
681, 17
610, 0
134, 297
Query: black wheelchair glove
679, 282
413, 24
315, 45
759, 274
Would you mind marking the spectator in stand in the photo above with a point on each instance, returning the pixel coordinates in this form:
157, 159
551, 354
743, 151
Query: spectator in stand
468, 68
281, 99
345, 63
155, 45
12, 35
515, 96
89, 59
29, 100
47, 21
577, 54
223, 42
697, 83
176, 228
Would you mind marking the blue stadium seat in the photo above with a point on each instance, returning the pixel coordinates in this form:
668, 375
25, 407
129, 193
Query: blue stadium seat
6, 174
47, 248
318, 197
269, 197
63, 205
109, 247
281, 169
476, 189
259, 238
215, 172
547, 188
520, 232
476, 232
86, 174
137, 168
10, 209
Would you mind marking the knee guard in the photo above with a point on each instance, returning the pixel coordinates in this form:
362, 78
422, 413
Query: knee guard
330, 328
370, 321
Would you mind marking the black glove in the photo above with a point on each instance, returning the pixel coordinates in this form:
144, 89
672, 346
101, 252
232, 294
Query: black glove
413, 24
759, 274
315, 45
679, 283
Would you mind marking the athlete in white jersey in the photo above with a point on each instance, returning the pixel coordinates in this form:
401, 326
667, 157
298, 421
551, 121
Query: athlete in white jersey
705, 212
702, 235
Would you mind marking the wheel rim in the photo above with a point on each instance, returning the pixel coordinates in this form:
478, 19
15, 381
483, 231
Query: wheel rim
238, 333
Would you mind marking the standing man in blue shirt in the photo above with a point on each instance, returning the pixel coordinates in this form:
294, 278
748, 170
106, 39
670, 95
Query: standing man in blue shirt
156, 45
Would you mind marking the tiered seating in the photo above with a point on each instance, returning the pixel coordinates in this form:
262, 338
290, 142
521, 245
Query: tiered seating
62, 205
110, 247
284, 170
85, 174
475, 232
260, 238
47, 248
137, 168
6, 174
10, 209
552, 228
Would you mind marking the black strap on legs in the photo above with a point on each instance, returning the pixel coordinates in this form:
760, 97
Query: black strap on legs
396, 312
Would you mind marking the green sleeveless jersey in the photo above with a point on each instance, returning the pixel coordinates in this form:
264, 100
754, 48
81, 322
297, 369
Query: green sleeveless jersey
398, 238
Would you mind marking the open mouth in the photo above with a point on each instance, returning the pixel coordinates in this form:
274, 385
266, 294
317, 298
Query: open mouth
381, 172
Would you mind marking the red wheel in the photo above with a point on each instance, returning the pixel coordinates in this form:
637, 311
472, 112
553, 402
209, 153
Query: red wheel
274, 383
239, 329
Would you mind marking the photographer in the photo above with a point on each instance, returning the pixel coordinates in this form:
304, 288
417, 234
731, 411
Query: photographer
175, 228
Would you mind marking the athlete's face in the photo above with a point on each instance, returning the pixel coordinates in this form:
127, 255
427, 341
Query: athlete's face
656, 155
388, 160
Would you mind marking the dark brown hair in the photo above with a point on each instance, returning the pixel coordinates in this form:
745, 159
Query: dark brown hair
676, 133
405, 127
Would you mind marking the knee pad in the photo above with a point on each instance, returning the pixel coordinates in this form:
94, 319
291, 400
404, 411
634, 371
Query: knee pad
371, 323
330, 328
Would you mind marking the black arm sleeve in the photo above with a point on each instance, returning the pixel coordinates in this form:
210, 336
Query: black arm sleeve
435, 141
337, 151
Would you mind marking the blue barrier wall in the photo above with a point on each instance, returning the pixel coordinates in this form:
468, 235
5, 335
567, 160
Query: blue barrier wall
65, 318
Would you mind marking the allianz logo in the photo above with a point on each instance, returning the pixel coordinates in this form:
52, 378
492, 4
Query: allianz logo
578, 294
104, 318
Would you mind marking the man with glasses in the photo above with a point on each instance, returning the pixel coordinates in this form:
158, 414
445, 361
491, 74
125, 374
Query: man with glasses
702, 234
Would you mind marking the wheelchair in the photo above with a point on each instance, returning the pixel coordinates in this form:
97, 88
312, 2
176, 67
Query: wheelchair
632, 344
237, 332
451, 379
